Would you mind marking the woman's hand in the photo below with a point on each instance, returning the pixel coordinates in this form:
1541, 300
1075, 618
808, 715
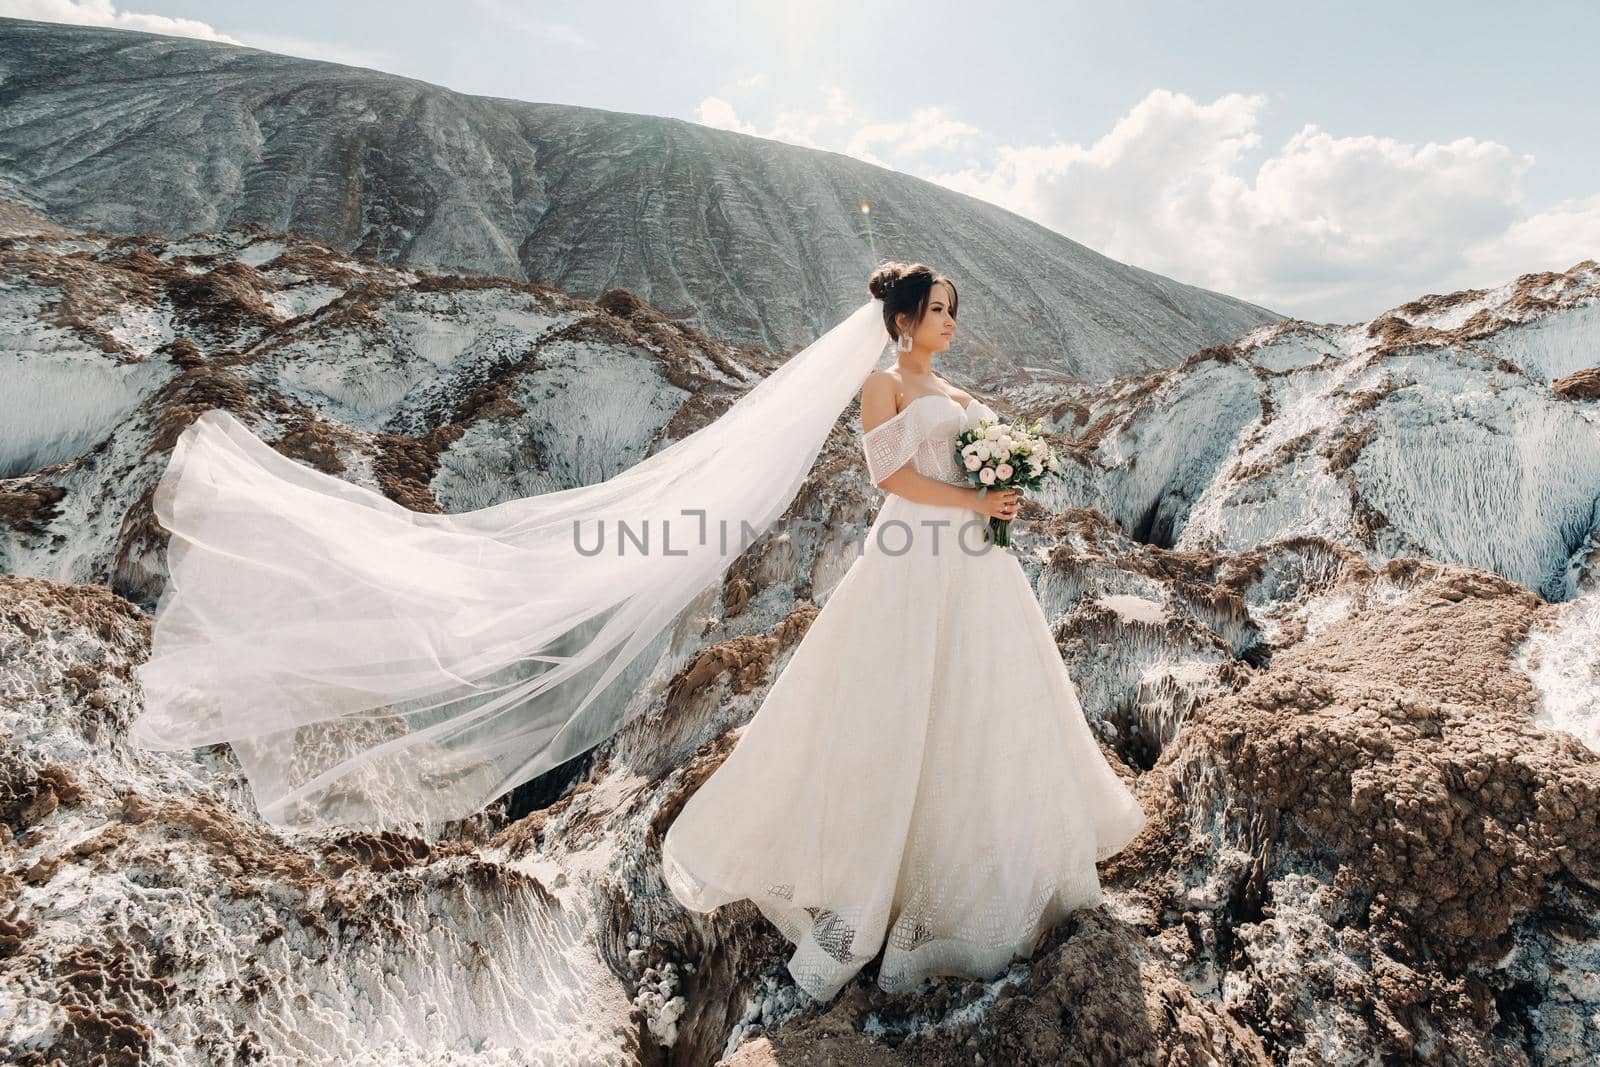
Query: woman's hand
996, 503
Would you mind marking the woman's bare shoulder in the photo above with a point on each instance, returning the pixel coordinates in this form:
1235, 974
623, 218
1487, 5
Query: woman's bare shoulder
881, 385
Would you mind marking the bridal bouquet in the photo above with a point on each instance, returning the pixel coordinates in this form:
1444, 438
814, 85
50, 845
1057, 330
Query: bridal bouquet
1000, 455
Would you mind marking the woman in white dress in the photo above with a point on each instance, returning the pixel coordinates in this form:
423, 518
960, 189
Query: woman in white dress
920, 778
921, 771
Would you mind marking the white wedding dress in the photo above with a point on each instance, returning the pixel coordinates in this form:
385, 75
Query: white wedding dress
920, 778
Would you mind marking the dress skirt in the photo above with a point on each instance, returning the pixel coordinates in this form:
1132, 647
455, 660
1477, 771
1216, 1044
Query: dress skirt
918, 780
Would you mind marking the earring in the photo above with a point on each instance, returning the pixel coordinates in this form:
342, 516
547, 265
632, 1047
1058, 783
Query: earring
903, 342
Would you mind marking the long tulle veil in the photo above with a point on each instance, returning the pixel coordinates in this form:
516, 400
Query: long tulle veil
375, 666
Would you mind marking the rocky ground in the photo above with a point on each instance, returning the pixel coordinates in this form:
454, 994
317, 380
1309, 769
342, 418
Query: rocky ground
1329, 593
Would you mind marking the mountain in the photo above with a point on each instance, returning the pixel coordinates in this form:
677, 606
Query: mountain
747, 239
1329, 594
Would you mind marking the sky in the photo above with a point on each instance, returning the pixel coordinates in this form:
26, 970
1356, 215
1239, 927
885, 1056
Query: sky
1325, 160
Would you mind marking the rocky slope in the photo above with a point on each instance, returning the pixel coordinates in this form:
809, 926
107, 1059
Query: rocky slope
445, 392
1456, 427
1354, 707
748, 239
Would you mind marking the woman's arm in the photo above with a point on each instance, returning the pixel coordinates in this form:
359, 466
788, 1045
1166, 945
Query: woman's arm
914, 485
877, 407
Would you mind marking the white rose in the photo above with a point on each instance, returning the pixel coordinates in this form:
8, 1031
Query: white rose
1003, 471
993, 433
983, 451
973, 463
986, 476
1003, 454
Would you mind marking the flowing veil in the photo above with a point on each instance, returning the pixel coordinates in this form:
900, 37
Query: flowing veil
376, 666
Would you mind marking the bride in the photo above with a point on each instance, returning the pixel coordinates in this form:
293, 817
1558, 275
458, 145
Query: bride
920, 778
920, 773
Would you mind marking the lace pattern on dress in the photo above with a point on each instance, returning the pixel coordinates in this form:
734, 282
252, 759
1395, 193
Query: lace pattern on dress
922, 434
938, 460
889, 446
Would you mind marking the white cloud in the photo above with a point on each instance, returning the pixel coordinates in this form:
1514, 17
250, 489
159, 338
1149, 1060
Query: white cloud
105, 13
839, 126
1553, 239
716, 112
1327, 228
926, 130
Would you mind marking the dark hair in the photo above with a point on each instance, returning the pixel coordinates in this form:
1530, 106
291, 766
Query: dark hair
904, 287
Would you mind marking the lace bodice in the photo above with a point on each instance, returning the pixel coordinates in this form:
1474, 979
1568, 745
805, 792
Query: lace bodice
923, 435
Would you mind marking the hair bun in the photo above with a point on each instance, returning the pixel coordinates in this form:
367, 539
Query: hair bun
884, 278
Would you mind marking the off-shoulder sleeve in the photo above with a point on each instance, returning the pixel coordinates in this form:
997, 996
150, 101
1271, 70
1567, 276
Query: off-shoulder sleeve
889, 446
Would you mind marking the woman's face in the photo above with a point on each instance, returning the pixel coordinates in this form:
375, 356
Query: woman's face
938, 326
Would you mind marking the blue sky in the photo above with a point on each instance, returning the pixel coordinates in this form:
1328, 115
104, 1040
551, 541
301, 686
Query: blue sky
1326, 160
